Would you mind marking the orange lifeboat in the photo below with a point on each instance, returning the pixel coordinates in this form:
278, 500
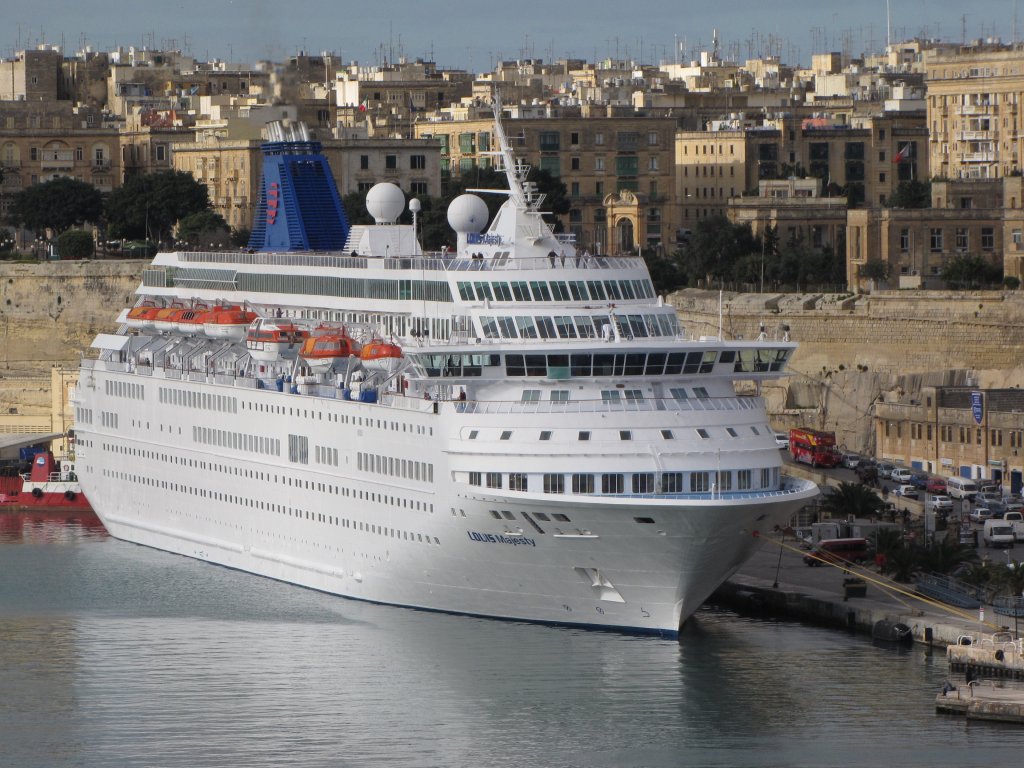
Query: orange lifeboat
270, 340
229, 323
381, 356
142, 317
190, 321
166, 319
326, 349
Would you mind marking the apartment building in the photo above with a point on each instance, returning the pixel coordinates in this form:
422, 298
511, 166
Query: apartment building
595, 155
974, 116
956, 431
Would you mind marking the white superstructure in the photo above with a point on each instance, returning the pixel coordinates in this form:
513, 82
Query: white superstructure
528, 434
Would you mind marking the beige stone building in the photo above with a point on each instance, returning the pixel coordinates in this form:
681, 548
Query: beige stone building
956, 431
594, 155
965, 218
974, 111
795, 210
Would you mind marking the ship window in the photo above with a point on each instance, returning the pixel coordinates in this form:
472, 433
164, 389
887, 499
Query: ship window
678, 393
701, 393
755, 431
521, 291
540, 290
700, 482
560, 291
610, 395
582, 483
644, 520
507, 434
559, 396
554, 483
579, 290
473, 433
625, 434
494, 479
671, 482
560, 517
542, 516
502, 292
517, 481
643, 482
580, 365
667, 434
703, 433
632, 395
531, 396
584, 436
507, 515
743, 479
527, 330
731, 432
566, 329
474, 478
546, 327
545, 435
612, 483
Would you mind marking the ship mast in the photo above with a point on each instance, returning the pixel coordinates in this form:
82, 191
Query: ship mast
522, 192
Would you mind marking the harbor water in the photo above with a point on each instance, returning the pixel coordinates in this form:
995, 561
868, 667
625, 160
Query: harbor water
112, 654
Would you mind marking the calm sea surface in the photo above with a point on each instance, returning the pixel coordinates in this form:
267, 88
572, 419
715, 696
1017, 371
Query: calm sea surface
116, 655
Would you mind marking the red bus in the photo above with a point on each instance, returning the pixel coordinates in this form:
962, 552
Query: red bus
813, 447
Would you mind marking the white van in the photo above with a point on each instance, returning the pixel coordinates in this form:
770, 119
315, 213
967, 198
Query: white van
1015, 520
961, 487
998, 533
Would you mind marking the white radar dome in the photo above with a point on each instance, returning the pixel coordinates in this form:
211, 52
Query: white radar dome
385, 202
468, 213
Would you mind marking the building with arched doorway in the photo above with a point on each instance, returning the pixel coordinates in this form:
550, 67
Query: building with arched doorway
626, 222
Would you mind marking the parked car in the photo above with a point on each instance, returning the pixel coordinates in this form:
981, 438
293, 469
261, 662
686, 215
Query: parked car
996, 509
936, 485
782, 440
998, 534
851, 460
885, 470
906, 490
901, 475
1014, 503
920, 480
989, 496
980, 514
940, 503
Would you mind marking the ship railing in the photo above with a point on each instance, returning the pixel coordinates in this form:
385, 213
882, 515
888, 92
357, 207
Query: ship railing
607, 406
713, 495
426, 262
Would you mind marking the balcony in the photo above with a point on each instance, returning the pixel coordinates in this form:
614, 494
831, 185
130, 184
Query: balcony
978, 157
57, 160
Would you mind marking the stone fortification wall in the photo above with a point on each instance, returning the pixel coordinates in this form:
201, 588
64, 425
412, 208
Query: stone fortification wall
49, 313
854, 349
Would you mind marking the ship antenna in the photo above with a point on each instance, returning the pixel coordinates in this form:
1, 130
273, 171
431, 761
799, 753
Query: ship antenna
521, 191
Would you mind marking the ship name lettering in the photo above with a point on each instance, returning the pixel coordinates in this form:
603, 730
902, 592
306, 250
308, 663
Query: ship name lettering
497, 538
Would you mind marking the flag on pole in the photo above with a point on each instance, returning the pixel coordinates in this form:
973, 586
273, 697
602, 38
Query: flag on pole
902, 155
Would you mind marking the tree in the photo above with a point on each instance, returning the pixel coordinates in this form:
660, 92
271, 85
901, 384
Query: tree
852, 499
945, 555
149, 205
75, 244
873, 269
967, 272
911, 194
205, 227
715, 248
58, 204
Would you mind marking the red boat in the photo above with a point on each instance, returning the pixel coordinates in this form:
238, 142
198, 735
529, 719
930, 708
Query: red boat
228, 323
51, 484
327, 348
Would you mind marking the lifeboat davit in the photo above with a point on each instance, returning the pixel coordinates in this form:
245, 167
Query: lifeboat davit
326, 349
270, 340
228, 323
142, 317
381, 356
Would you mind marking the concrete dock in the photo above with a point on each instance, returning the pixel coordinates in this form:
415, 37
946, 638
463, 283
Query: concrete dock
980, 644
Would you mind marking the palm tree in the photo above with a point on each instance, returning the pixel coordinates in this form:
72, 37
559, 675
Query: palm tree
944, 555
851, 499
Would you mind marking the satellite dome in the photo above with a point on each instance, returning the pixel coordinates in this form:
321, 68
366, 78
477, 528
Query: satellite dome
385, 202
468, 213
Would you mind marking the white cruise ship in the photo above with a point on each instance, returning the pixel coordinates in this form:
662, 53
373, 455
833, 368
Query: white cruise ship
513, 429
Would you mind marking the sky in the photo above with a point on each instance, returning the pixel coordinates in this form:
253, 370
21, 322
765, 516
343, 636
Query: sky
475, 35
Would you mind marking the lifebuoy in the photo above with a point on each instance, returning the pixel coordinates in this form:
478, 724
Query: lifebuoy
37, 492
69, 495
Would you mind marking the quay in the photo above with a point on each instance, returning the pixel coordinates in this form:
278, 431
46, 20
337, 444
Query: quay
986, 659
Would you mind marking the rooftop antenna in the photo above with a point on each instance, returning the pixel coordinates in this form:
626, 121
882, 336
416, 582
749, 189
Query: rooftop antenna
888, 25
